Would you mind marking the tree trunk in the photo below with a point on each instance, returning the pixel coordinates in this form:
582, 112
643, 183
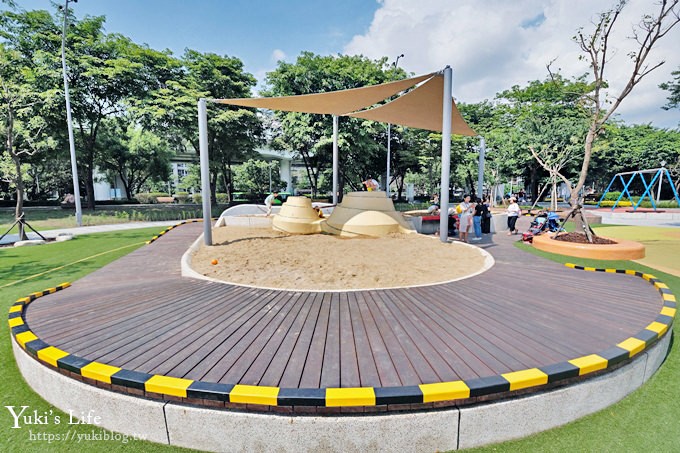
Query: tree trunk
588, 148
89, 186
553, 194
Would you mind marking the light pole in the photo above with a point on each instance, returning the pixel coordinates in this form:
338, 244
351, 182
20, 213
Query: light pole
389, 136
71, 141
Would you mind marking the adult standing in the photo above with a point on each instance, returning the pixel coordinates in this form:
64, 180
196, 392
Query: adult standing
465, 211
486, 217
513, 214
269, 201
480, 212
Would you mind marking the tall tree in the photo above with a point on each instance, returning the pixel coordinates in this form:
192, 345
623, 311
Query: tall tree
134, 155
673, 88
361, 143
24, 106
595, 46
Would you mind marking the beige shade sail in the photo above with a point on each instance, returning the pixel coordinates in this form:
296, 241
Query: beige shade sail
334, 102
420, 108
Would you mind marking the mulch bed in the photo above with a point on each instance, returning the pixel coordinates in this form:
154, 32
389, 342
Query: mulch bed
581, 238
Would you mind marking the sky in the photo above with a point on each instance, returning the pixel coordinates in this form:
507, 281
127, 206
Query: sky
490, 44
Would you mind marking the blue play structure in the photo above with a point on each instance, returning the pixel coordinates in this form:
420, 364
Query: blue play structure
659, 173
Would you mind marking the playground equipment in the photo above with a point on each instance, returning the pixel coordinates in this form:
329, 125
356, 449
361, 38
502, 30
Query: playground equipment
659, 173
368, 214
297, 216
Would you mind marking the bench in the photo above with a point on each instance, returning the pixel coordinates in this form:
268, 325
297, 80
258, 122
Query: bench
165, 199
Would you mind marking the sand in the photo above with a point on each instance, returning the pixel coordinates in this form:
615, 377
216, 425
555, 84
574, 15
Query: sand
270, 259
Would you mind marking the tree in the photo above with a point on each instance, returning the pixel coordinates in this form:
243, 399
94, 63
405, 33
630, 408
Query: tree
595, 46
233, 132
256, 176
23, 106
673, 87
361, 143
134, 155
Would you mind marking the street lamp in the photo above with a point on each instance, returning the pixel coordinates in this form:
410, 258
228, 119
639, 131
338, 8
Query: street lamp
72, 146
389, 136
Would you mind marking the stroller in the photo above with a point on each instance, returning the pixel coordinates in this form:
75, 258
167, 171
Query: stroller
544, 221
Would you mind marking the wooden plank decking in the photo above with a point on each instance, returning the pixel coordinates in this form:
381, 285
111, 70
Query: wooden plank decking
139, 314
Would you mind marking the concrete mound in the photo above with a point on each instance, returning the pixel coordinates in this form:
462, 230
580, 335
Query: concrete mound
297, 217
366, 214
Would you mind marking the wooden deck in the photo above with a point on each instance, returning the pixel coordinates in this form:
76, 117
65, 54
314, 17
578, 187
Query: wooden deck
139, 314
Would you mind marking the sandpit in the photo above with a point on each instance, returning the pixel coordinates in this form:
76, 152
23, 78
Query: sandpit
271, 259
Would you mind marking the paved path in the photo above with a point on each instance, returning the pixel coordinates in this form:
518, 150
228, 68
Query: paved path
11, 238
139, 314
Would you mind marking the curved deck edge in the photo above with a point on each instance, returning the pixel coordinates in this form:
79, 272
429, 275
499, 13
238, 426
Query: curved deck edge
449, 429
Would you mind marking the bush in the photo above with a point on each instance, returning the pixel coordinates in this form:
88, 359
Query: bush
197, 198
610, 203
182, 197
150, 198
222, 198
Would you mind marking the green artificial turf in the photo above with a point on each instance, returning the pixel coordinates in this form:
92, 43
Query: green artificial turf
646, 420
18, 263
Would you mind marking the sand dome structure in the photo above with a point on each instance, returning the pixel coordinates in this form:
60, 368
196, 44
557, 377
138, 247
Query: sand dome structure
297, 216
366, 213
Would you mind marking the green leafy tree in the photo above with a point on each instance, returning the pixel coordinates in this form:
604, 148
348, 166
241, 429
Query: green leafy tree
256, 176
24, 107
673, 88
233, 133
362, 144
134, 155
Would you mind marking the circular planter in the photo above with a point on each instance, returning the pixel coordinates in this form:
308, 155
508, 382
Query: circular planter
622, 250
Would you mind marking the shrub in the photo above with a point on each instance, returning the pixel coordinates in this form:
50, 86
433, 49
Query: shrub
222, 198
197, 198
150, 198
610, 203
182, 197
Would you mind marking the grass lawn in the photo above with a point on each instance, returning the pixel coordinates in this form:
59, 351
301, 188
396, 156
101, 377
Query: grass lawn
19, 263
645, 420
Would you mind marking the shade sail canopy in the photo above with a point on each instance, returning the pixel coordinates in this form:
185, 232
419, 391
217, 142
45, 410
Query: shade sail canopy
420, 108
334, 102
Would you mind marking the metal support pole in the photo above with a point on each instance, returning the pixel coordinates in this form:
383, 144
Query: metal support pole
335, 159
446, 156
389, 156
205, 169
71, 140
480, 174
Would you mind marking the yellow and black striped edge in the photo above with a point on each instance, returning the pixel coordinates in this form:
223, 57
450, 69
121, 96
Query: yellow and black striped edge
342, 397
172, 227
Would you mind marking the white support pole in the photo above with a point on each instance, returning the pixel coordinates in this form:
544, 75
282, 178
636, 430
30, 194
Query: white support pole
205, 169
480, 174
389, 154
69, 121
335, 159
446, 156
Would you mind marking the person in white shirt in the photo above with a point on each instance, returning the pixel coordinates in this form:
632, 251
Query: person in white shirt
269, 201
465, 210
513, 214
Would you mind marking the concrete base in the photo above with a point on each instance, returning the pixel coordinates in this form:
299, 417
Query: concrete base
220, 430
622, 250
29, 242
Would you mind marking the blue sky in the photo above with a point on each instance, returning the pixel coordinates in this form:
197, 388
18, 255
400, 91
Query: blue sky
252, 30
491, 44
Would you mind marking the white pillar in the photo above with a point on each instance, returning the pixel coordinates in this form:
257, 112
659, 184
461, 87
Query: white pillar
446, 156
389, 152
335, 159
205, 169
480, 174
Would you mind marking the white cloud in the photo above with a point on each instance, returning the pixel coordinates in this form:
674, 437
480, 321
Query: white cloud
278, 55
495, 44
